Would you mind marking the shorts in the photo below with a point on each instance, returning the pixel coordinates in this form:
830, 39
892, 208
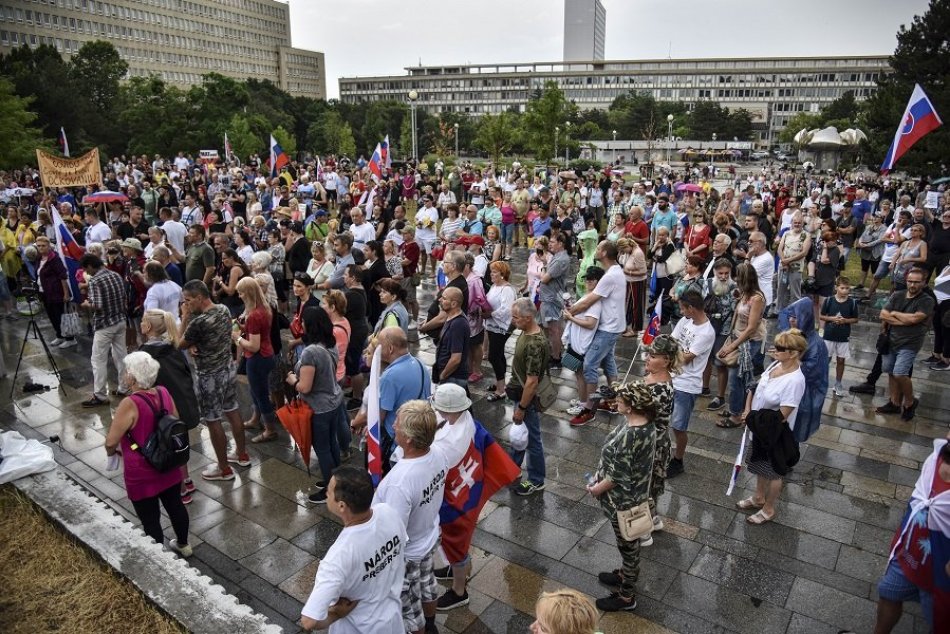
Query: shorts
894, 586
352, 357
839, 349
218, 396
418, 586
426, 244
883, 270
600, 352
717, 346
409, 288
507, 233
825, 291
683, 404
550, 311
477, 339
331, 194
899, 362
869, 266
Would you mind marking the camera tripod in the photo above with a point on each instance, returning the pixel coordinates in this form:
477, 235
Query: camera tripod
34, 328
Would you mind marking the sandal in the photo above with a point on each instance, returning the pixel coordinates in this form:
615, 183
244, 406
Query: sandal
759, 518
728, 423
264, 437
748, 504
494, 396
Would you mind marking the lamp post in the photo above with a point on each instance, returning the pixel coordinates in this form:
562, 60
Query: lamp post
556, 131
713, 155
614, 132
456, 142
669, 135
413, 96
567, 143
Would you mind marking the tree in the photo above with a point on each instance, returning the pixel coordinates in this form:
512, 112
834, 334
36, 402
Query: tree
844, 107
20, 137
347, 145
546, 111
922, 56
801, 121
152, 114
97, 70
496, 134
243, 140
286, 140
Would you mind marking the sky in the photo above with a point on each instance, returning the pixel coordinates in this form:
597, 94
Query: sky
363, 38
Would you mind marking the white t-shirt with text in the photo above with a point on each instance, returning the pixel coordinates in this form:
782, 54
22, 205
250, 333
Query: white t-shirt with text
697, 339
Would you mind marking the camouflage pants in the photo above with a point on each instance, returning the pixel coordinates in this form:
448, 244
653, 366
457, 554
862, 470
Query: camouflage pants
630, 556
661, 460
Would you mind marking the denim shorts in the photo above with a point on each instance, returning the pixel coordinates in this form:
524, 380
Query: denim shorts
883, 270
894, 586
899, 362
683, 404
600, 351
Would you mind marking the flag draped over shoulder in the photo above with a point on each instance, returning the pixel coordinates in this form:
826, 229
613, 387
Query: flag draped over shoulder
70, 252
483, 470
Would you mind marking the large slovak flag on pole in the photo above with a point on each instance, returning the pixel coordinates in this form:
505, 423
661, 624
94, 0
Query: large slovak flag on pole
70, 252
920, 118
387, 159
278, 158
376, 163
374, 453
653, 328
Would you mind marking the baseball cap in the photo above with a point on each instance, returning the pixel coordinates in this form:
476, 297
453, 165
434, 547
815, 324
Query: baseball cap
450, 398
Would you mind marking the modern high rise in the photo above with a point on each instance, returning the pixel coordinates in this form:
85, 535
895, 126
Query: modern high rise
177, 40
585, 27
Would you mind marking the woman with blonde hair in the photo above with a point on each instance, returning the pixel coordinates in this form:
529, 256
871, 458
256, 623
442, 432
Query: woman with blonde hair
253, 339
634, 264
334, 302
664, 359
564, 612
770, 412
319, 268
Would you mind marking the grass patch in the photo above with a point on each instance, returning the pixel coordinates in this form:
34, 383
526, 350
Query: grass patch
51, 584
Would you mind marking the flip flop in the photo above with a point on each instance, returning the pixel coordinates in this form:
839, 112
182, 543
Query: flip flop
747, 504
493, 396
759, 518
728, 423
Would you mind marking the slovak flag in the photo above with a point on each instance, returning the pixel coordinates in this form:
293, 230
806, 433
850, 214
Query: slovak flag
387, 160
278, 158
376, 163
374, 452
63, 143
653, 328
920, 118
227, 148
70, 252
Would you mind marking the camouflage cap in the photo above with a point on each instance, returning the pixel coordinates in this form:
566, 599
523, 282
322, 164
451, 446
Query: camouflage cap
637, 395
664, 345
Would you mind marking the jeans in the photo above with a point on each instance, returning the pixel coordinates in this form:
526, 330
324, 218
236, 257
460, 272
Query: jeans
738, 387
600, 351
343, 434
535, 450
507, 233
148, 511
55, 310
324, 441
106, 339
259, 369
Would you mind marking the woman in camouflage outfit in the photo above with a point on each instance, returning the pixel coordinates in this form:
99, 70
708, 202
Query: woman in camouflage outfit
623, 481
664, 358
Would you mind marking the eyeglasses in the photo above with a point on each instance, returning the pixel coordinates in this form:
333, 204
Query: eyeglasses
781, 349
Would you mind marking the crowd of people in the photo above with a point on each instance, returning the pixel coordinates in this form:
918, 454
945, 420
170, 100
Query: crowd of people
198, 273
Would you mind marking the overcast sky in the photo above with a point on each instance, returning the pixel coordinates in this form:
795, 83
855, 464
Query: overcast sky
380, 37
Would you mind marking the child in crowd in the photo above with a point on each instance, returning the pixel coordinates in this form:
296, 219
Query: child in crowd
838, 312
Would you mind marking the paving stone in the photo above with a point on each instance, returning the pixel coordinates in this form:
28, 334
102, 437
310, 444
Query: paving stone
558, 510
222, 564
801, 624
238, 537
317, 539
595, 556
671, 550
748, 577
300, 584
277, 561
727, 608
861, 564
541, 536
498, 617
270, 510
271, 596
787, 541
837, 608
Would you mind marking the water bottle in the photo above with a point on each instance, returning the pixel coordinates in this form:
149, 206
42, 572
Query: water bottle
591, 480
568, 299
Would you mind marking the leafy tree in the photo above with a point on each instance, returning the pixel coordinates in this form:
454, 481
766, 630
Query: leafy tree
20, 136
546, 110
332, 135
922, 56
382, 118
347, 146
844, 107
243, 140
151, 114
496, 134
97, 70
286, 140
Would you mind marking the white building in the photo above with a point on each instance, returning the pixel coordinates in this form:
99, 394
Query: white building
585, 28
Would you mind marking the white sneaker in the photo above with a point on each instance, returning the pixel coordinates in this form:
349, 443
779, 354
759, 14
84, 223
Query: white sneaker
646, 541
573, 403
184, 551
69, 343
840, 391
657, 523
56, 342
574, 410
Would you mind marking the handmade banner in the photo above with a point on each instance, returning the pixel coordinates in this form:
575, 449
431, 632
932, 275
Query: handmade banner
56, 171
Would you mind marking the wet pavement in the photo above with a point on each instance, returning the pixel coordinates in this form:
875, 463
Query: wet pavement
813, 569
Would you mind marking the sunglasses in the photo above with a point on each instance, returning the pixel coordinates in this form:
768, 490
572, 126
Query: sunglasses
781, 349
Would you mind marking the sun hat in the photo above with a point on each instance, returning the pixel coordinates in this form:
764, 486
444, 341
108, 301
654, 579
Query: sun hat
450, 398
131, 243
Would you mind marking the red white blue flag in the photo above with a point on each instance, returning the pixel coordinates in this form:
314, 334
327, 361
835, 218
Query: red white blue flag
63, 143
374, 453
376, 163
653, 328
920, 118
387, 159
482, 471
70, 252
227, 148
278, 158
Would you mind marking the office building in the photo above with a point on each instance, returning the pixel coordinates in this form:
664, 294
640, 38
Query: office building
177, 40
772, 89
585, 27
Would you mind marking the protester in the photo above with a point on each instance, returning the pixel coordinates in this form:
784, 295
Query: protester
405, 379
579, 335
53, 284
838, 313
108, 302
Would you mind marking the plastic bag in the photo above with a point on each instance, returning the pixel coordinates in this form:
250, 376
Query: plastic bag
518, 437
71, 325
22, 457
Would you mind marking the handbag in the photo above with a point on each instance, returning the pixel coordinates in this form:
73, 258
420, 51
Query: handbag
572, 360
635, 523
883, 343
71, 324
732, 359
675, 263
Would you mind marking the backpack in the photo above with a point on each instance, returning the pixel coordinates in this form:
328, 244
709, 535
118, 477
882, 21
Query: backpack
167, 447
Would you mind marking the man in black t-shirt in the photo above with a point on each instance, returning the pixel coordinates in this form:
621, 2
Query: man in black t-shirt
135, 227
453, 265
451, 356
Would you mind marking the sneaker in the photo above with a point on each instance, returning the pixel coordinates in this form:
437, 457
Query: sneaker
69, 343
184, 551
319, 484
888, 408
56, 342
443, 574
190, 486
674, 469
612, 578
862, 388
658, 523
243, 460
318, 497
527, 487
475, 377
839, 391
616, 603
450, 601
574, 410
646, 541
706, 392
574, 402
213, 472
715, 404
95, 401
583, 417
931, 359
940, 367
186, 497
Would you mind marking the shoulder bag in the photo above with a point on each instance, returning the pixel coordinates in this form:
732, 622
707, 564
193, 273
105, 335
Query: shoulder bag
544, 396
675, 263
635, 523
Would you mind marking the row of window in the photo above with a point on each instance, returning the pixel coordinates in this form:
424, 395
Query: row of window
208, 64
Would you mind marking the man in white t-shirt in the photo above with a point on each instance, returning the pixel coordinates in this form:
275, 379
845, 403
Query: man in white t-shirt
427, 217
359, 581
764, 264
696, 337
361, 230
175, 231
97, 231
611, 292
331, 182
414, 488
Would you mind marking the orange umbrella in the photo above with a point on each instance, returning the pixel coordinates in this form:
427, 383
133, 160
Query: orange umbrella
295, 417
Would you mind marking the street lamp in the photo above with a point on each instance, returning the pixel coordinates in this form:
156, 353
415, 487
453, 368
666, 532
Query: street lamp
713, 155
567, 143
615, 145
456, 142
669, 135
413, 96
556, 131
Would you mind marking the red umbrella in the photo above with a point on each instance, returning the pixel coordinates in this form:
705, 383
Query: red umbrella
105, 196
295, 417
689, 187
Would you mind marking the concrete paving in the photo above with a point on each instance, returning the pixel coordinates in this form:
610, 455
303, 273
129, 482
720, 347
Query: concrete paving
814, 569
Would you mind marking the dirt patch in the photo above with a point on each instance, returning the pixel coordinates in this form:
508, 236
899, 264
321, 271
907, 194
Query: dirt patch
51, 584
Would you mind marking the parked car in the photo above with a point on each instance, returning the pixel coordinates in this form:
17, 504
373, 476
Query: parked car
760, 155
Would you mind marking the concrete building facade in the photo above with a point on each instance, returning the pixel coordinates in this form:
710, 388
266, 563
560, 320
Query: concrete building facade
585, 29
177, 40
772, 89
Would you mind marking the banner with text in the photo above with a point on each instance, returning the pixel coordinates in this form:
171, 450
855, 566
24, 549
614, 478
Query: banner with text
56, 171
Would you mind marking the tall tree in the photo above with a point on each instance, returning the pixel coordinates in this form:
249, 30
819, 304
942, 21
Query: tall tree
546, 111
97, 69
286, 140
152, 114
20, 136
243, 140
496, 134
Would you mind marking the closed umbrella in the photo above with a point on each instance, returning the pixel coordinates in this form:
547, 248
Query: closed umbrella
295, 417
